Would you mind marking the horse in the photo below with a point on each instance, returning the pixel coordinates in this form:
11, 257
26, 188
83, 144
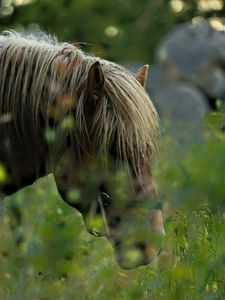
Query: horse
90, 123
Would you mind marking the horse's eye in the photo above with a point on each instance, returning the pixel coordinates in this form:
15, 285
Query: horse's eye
105, 199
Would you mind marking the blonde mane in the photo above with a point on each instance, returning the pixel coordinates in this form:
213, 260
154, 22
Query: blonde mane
37, 71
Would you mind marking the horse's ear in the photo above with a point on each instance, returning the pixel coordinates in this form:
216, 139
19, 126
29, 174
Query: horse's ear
142, 75
95, 81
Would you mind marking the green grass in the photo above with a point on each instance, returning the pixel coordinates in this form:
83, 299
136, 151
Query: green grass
46, 253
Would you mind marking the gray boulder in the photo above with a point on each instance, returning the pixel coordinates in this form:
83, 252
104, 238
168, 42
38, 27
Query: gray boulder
195, 53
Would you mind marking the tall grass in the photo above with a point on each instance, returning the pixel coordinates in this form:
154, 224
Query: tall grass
46, 253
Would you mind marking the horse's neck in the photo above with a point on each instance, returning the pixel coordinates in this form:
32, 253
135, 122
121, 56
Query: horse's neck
23, 159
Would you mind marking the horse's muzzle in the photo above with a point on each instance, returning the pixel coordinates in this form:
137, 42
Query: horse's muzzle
138, 254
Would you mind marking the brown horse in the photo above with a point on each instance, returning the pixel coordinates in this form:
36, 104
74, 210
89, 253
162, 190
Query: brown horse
89, 122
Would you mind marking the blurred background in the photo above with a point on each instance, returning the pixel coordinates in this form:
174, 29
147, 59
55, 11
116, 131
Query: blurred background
45, 251
119, 30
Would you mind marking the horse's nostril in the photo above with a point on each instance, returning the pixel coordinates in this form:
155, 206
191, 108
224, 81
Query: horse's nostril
129, 258
134, 255
141, 246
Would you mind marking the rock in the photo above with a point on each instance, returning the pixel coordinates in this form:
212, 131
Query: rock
195, 53
181, 102
181, 108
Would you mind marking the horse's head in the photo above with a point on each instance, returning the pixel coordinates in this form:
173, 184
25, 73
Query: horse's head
119, 122
132, 217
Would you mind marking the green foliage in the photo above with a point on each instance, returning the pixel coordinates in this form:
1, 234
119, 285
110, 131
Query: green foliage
46, 253
108, 27
116, 29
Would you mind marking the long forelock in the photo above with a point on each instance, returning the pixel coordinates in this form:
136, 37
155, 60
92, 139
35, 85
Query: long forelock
124, 118
127, 117
124, 115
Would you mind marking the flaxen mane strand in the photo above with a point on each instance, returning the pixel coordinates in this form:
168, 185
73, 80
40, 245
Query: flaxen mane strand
36, 72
